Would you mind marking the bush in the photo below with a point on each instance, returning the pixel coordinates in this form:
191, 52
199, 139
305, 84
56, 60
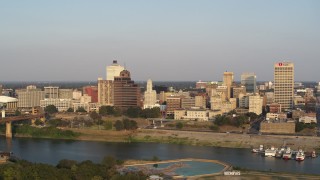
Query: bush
214, 127
179, 125
81, 109
118, 125
50, 132
108, 125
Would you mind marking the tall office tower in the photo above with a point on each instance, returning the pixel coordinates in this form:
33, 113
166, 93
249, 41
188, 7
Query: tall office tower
29, 97
114, 70
105, 92
227, 81
125, 92
284, 84
249, 81
150, 96
51, 92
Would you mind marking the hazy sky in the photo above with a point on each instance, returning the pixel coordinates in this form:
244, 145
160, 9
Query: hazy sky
159, 39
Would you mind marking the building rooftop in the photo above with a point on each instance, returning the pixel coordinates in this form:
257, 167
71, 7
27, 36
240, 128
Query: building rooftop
7, 99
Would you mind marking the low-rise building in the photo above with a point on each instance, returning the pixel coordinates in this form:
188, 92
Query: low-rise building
272, 116
191, 114
9, 104
60, 104
308, 118
179, 114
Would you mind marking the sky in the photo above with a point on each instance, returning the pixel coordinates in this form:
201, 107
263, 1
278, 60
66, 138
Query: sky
165, 40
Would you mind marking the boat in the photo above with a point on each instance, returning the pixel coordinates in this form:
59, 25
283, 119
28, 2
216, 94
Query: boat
313, 154
287, 154
270, 152
300, 155
258, 150
280, 152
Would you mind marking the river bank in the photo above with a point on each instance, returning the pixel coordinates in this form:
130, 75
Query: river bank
199, 138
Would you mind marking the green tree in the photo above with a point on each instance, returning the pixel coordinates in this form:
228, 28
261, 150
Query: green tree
70, 110
133, 112
119, 125
38, 122
179, 125
66, 163
109, 162
106, 110
81, 109
51, 109
150, 113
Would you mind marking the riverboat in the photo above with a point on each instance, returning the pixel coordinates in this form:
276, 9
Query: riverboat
287, 154
280, 152
300, 155
258, 150
270, 152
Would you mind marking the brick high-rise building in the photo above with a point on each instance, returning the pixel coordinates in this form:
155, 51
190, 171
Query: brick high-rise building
91, 91
284, 84
125, 92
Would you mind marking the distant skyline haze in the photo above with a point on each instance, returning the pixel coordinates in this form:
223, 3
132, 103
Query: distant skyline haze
181, 40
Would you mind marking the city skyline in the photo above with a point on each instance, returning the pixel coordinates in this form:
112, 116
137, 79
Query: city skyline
163, 41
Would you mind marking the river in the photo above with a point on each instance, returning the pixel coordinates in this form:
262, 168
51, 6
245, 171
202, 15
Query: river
51, 151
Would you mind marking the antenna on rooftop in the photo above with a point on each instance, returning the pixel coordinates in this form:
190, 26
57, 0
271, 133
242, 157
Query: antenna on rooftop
125, 66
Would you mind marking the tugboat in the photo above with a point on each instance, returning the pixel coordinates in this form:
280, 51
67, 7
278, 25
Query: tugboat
300, 155
287, 154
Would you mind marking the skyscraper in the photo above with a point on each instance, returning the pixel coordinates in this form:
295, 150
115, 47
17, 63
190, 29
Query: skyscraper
249, 81
150, 96
125, 92
228, 81
284, 84
114, 70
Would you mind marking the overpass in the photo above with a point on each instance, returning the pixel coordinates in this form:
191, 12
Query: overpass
9, 120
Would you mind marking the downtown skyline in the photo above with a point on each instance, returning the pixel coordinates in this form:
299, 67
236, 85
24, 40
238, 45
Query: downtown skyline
163, 41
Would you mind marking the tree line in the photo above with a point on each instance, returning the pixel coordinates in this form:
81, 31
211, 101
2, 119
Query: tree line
68, 169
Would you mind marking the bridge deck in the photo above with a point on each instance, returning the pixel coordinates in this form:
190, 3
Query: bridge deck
19, 118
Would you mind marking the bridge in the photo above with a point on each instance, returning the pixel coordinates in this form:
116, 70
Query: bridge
9, 120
